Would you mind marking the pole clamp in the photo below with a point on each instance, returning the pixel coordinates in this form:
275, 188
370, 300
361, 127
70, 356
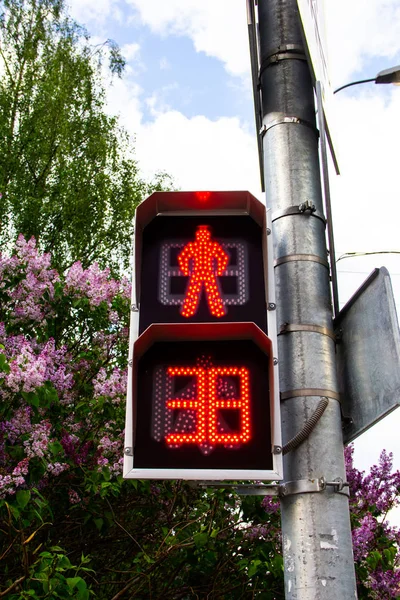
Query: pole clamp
288, 120
301, 257
282, 52
294, 327
306, 208
312, 486
307, 392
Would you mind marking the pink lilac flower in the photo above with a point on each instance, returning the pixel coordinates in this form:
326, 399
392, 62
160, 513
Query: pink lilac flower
74, 497
10, 482
26, 298
31, 366
256, 532
74, 449
379, 489
19, 424
113, 385
93, 283
21, 468
2, 333
363, 537
27, 371
110, 454
270, 505
56, 468
39, 440
384, 584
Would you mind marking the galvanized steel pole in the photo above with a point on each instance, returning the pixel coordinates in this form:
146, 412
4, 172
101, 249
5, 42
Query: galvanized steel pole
315, 519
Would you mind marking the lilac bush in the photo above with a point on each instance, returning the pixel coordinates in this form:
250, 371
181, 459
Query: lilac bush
63, 347
70, 527
375, 541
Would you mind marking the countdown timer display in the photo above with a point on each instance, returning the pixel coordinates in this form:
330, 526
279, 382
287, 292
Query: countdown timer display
203, 405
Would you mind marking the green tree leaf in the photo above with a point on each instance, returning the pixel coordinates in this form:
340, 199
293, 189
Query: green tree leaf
23, 497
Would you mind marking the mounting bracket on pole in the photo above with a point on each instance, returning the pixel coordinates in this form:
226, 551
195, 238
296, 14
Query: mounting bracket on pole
290, 488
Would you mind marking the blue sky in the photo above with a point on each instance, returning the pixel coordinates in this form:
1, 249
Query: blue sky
187, 99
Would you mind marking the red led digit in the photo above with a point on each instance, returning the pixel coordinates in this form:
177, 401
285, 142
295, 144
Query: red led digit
199, 404
203, 261
242, 403
207, 402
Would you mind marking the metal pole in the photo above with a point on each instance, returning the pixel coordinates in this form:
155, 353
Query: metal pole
317, 544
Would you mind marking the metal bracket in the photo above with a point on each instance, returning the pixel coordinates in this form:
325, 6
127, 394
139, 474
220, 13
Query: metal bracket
338, 484
255, 489
290, 488
312, 486
302, 486
307, 206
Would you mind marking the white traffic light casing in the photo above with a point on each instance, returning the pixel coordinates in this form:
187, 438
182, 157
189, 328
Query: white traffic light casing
202, 401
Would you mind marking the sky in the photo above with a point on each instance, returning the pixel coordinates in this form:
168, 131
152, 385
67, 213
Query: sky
186, 98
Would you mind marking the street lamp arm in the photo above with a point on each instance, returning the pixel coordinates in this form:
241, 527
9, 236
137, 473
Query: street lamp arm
391, 75
354, 254
353, 83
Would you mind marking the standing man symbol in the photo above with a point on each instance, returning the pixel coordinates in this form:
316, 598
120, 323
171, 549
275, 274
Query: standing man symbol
203, 261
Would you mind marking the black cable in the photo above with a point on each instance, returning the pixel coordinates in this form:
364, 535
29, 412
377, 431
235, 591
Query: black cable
308, 427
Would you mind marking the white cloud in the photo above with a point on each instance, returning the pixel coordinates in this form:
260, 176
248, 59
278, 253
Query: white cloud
359, 30
217, 27
94, 12
157, 103
367, 192
130, 51
198, 152
125, 99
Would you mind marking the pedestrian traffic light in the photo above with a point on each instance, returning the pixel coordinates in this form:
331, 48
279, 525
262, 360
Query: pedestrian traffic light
201, 399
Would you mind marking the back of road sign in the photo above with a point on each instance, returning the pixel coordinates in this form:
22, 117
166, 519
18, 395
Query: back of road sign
368, 355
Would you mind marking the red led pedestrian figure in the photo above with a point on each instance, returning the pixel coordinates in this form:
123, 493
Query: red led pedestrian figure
203, 260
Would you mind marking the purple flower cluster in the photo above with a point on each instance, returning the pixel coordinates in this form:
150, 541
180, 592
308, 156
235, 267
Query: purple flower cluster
384, 584
111, 452
95, 284
32, 364
35, 281
256, 532
10, 482
372, 496
112, 385
270, 505
363, 537
74, 449
44, 375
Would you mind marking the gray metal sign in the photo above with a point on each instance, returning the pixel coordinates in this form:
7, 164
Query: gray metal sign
368, 355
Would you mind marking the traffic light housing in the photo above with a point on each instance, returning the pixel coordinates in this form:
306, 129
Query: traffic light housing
201, 398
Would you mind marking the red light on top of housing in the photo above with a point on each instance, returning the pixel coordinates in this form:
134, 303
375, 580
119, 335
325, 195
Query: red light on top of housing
203, 196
